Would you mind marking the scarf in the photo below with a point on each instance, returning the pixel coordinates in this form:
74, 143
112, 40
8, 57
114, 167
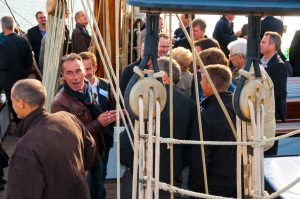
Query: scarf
85, 98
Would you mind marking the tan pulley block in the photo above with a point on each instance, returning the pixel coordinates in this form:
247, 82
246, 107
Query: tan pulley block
141, 89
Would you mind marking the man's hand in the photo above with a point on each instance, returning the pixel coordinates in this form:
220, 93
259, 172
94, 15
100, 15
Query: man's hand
107, 117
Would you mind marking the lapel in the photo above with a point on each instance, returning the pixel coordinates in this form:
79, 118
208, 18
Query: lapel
102, 99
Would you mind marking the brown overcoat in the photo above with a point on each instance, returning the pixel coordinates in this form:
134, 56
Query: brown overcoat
51, 158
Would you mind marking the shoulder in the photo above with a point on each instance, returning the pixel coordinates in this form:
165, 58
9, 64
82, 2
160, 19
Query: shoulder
33, 29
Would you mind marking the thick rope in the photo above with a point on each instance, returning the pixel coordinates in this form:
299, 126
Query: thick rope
174, 189
157, 151
171, 108
194, 52
118, 98
239, 159
287, 187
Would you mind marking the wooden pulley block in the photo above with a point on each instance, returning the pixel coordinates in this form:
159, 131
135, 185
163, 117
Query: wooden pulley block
141, 89
251, 87
50, 6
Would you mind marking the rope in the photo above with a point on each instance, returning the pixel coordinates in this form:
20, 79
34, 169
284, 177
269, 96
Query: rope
171, 109
279, 192
239, 159
210, 82
174, 189
118, 98
194, 52
157, 151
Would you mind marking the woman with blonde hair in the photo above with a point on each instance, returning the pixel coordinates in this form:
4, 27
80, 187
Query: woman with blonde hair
184, 59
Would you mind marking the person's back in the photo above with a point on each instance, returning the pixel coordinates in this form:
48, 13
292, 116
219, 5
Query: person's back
15, 59
51, 159
220, 160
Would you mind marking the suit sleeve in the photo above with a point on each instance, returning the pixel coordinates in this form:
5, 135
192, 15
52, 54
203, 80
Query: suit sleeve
31, 38
29, 58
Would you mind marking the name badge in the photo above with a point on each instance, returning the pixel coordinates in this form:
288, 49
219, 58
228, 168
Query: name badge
103, 92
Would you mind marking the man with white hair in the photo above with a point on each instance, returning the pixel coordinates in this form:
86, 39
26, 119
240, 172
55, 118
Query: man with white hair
15, 59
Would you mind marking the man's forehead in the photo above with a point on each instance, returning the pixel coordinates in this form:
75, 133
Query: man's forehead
72, 65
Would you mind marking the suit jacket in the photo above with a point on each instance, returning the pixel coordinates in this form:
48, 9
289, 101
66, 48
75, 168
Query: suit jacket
35, 38
278, 73
220, 160
106, 103
224, 34
294, 54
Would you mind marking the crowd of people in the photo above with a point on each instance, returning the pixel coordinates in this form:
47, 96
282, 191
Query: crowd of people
64, 153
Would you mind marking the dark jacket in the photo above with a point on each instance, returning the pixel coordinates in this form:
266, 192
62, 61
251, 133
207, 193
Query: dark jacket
220, 160
184, 119
63, 102
270, 23
106, 103
15, 60
51, 158
35, 38
81, 39
278, 73
294, 54
224, 34
126, 75
180, 36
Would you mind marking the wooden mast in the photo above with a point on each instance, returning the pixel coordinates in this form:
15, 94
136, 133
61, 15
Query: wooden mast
104, 11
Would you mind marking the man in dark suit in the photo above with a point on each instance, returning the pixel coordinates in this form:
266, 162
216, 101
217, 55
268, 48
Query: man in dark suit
183, 121
15, 59
275, 67
224, 33
294, 54
103, 96
36, 34
179, 33
271, 23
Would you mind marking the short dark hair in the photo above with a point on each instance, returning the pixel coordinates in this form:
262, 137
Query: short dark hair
213, 56
69, 57
8, 22
31, 91
275, 38
37, 13
199, 22
187, 16
220, 76
88, 55
206, 43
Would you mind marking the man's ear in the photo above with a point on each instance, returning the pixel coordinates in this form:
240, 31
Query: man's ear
21, 103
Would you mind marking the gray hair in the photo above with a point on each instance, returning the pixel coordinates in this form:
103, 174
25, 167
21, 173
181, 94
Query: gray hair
8, 22
163, 65
31, 91
238, 47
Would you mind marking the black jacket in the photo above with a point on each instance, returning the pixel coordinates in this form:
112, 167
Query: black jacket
271, 23
224, 34
35, 38
81, 39
220, 160
278, 73
294, 54
106, 103
126, 75
184, 119
15, 60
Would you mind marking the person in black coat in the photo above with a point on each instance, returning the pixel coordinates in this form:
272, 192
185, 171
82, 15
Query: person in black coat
224, 33
81, 40
271, 23
179, 33
294, 54
36, 34
276, 69
183, 121
15, 59
220, 160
